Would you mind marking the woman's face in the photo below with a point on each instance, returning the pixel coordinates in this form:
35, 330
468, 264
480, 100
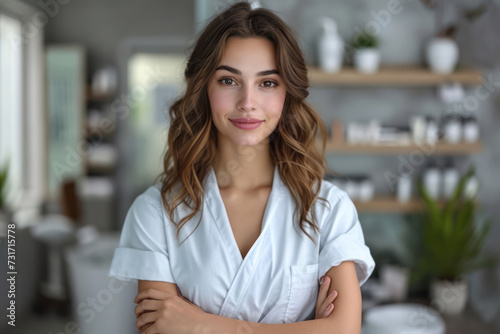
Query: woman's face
246, 92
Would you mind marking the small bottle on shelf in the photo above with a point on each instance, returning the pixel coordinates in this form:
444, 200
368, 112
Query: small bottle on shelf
452, 128
404, 188
471, 187
450, 179
431, 130
418, 126
432, 180
470, 129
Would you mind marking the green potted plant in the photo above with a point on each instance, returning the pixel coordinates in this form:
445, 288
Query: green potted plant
452, 243
367, 54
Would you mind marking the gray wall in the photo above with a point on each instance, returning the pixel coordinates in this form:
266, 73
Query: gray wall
101, 25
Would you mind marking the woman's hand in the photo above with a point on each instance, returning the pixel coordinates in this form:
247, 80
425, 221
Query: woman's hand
155, 309
324, 305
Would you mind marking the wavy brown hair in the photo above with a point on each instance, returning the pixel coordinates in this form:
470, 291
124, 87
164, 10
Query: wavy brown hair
192, 137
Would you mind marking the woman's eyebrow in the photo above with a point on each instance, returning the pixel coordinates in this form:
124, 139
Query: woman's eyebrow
238, 72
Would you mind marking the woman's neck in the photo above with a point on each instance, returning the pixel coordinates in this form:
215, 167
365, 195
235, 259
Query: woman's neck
244, 168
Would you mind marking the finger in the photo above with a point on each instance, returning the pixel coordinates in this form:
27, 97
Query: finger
146, 318
328, 300
323, 290
328, 311
152, 329
322, 294
146, 326
332, 296
147, 305
150, 294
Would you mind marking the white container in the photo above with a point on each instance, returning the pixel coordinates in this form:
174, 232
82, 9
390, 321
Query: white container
449, 298
451, 93
367, 60
471, 187
418, 127
453, 130
352, 189
101, 304
442, 55
395, 279
431, 130
432, 181
366, 190
402, 318
105, 82
450, 180
404, 188
470, 130
354, 133
330, 47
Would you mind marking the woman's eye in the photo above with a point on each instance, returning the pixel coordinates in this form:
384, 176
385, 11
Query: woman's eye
269, 84
226, 81
230, 82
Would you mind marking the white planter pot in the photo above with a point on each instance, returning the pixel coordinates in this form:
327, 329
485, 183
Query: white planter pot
442, 55
367, 60
449, 297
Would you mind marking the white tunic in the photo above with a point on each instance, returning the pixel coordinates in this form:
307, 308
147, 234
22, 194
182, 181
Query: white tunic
276, 282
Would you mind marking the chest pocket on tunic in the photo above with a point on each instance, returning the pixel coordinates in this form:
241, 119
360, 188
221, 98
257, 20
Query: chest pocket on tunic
303, 292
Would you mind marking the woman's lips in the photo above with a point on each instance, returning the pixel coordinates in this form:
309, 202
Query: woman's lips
246, 123
246, 120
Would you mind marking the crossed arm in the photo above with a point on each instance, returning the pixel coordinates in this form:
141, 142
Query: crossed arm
345, 319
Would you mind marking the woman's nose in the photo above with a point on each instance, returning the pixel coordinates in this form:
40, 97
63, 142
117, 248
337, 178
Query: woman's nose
247, 100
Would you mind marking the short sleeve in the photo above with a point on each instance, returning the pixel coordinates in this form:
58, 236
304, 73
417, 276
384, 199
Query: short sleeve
142, 251
342, 239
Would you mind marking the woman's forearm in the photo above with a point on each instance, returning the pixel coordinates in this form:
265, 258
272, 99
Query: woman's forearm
222, 325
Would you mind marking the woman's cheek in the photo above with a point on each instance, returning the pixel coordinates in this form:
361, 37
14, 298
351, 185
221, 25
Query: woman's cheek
219, 102
275, 107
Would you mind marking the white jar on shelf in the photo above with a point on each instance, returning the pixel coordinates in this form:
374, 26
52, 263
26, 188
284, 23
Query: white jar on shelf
418, 126
453, 129
432, 181
366, 189
367, 60
442, 55
471, 187
404, 188
431, 130
450, 179
351, 188
470, 130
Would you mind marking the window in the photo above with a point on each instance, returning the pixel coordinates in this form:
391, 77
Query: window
22, 121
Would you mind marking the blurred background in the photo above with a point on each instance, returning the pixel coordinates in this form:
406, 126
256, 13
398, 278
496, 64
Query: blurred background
410, 94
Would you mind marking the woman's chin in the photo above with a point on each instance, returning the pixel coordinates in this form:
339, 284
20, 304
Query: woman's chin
248, 140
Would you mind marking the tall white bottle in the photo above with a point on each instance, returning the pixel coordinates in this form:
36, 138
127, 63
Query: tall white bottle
330, 46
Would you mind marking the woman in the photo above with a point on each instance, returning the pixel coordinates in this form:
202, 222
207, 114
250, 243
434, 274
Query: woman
241, 171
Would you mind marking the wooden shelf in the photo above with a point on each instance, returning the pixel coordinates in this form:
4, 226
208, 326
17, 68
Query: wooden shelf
441, 148
390, 204
393, 76
380, 204
96, 98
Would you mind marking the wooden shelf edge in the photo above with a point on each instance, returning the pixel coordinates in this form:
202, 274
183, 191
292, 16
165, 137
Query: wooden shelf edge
382, 204
390, 204
394, 75
441, 148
